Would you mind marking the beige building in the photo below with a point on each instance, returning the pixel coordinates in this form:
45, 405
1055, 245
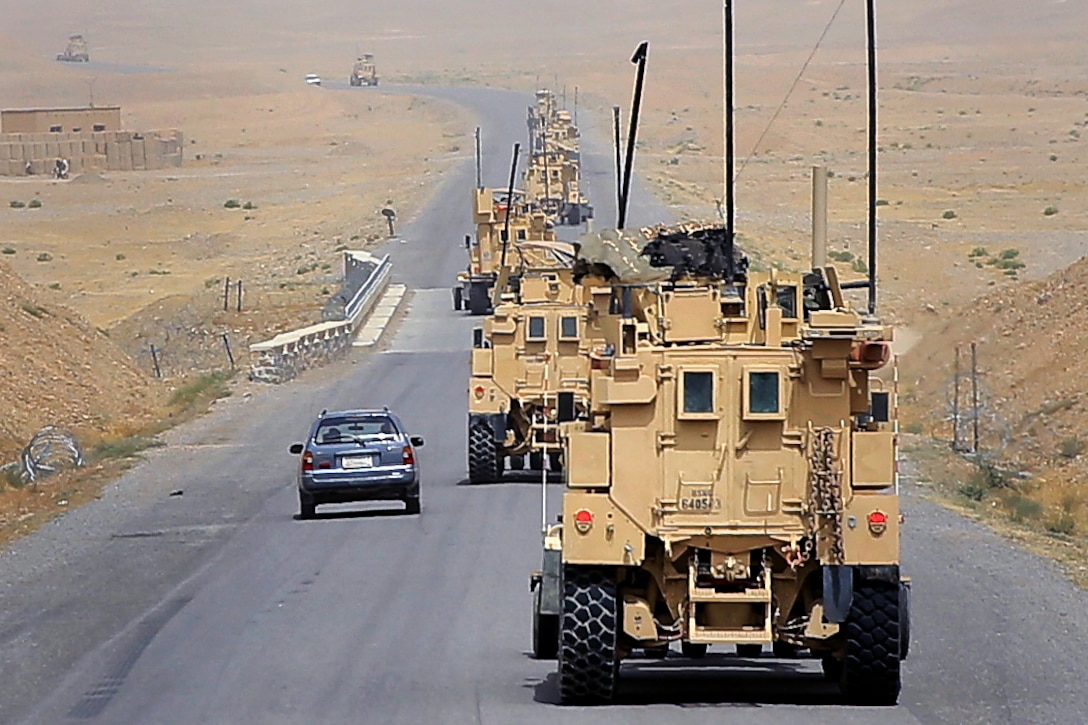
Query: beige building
61, 120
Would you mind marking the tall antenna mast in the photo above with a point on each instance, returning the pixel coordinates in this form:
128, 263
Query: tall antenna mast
870, 23
727, 93
639, 58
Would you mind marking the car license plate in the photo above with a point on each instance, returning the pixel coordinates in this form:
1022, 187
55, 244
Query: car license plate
357, 462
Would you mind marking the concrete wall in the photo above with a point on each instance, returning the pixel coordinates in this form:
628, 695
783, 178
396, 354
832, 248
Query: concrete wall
36, 153
69, 120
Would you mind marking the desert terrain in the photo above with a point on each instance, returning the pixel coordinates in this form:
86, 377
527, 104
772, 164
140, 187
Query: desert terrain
981, 156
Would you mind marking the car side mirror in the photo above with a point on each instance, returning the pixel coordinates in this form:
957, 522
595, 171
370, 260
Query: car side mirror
417, 441
297, 448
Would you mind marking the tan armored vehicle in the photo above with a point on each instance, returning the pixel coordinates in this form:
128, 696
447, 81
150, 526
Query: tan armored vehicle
76, 50
364, 72
530, 366
733, 480
553, 175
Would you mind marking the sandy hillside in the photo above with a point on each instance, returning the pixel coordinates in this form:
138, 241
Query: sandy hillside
58, 370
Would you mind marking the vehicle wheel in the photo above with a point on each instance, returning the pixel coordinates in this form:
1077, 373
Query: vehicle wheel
483, 458
479, 303
749, 650
588, 658
411, 505
307, 507
517, 463
555, 461
870, 672
659, 652
904, 620
458, 299
832, 667
785, 650
693, 650
545, 631
536, 460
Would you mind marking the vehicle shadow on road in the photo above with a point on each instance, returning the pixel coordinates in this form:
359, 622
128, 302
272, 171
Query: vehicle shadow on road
516, 477
716, 681
355, 514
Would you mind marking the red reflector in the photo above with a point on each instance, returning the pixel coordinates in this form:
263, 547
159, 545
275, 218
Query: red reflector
878, 517
583, 517
478, 391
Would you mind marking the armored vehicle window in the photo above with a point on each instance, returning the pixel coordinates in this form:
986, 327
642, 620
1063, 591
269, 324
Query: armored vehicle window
55, 129
568, 328
787, 300
536, 329
763, 395
521, 234
99, 127
698, 392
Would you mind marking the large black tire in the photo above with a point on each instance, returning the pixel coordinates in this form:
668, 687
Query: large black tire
412, 505
694, 650
904, 621
749, 650
588, 656
870, 672
479, 300
545, 631
307, 507
483, 455
536, 460
555, 461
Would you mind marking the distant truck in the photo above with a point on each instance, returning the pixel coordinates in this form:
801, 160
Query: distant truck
364, 73
76, 51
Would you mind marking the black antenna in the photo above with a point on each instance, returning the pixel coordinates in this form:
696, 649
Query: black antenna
509, 203
640, 58
479, 160
619, 160
871, 31
730, 200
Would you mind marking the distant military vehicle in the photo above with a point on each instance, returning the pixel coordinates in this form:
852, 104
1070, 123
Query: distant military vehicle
529, 365
364, 72
553, 176
76, 50
486, 254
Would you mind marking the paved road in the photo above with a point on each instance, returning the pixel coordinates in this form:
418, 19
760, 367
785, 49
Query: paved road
217, 606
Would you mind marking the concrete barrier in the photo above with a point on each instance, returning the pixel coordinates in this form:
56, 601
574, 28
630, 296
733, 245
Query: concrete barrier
286, 355
98, 150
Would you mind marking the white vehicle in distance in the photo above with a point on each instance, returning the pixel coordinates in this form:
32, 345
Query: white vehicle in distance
313, 79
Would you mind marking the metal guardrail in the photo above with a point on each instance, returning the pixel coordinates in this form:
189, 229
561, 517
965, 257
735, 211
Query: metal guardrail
289, 353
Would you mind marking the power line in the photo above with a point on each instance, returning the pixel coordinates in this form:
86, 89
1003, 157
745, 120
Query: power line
793, 86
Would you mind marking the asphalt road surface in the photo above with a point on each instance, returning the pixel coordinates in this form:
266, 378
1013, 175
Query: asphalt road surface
215, 605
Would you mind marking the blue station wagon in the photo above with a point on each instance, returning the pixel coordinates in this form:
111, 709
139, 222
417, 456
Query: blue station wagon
357, 455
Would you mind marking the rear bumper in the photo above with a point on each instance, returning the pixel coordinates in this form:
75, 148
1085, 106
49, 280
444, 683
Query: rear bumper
373, 486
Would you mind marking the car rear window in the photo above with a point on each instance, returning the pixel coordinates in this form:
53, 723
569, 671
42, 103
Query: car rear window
332, 430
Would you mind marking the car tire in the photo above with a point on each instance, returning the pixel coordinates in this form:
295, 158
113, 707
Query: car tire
412, 505
307, 507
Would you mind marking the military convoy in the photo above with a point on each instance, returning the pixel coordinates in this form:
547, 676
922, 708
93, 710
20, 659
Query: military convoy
364, 72
553, 176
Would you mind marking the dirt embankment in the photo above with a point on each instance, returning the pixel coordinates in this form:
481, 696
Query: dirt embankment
55, 369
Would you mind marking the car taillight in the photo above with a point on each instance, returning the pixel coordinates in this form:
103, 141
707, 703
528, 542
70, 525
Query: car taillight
409, 456
307, 461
